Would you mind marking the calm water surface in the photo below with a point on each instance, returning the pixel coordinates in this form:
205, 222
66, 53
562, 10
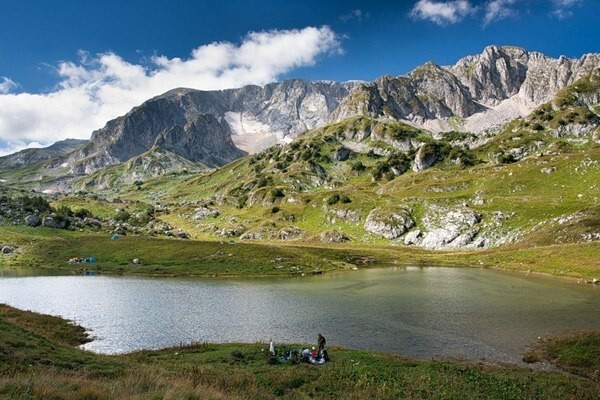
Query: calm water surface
419, 312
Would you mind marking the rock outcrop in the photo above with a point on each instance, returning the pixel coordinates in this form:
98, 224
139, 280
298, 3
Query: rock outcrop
32, 220
333, 237
389, 224
450, 227
477, 93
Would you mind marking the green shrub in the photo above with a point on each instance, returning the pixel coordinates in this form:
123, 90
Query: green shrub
122, 216
277, 193
357, 166
262, 182
242, 200
32, 204
380, 168
537, 127
83, 213
463, 157
506, 158
64, 211
333, 199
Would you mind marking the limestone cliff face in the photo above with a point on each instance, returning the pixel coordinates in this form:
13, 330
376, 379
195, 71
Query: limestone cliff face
500, 84
212, 127
502, 72
478, 93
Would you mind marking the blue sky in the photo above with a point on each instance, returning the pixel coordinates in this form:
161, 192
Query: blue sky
68, 66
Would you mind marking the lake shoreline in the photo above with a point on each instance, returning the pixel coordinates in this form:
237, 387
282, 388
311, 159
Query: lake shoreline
48, 362
40, 248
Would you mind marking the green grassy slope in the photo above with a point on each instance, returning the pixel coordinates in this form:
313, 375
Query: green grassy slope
533, 188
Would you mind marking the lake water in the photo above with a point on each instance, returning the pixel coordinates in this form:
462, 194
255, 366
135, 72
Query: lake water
418, 312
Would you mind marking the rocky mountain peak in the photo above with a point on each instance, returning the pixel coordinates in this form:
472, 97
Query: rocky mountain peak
477, 93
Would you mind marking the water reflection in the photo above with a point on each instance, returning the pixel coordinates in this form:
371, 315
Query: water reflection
420, 312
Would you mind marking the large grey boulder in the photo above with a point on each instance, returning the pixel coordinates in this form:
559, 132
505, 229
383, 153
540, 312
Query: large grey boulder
289, 233
389, 223
450, 227
414, 237
6, 249
50, 222
203, 213
32, 220
232, 231
426, 156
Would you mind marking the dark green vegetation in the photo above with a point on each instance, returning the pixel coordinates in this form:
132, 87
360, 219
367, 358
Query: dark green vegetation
40, 361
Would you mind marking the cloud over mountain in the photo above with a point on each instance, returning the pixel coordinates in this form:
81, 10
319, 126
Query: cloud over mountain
442, 12
98, 88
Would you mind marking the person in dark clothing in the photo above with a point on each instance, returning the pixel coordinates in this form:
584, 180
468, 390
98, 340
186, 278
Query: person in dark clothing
321, 341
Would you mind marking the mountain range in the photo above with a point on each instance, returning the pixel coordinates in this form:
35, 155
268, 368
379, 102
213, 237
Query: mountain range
479, 94
355, 160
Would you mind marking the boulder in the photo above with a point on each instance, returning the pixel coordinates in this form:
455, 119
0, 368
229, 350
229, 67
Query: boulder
450, 227
289, 233
32, 220
333, 237
251, 236
341, 154
205, 212
233, 231
92, 222
413, 238
50, 222
390, 224
426, 156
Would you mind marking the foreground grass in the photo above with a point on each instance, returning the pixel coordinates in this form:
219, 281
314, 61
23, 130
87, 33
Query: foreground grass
39, 361
49, 248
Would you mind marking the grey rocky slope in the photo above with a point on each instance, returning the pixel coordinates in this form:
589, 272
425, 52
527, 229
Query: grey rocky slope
205, 126
478, 93
31, 156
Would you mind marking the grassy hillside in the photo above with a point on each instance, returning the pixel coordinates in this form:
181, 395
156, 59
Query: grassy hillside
528, 191
279, 189
43, 248
40, 360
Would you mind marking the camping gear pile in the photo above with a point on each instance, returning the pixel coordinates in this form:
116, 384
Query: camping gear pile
310, 356
81, 260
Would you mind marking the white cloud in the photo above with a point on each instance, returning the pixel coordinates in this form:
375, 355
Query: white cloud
6, 85
442, 12
17, 146
498, 9
562, 8
97, 89
356, 15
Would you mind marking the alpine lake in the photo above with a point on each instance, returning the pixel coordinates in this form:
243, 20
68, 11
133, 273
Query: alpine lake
420, 312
